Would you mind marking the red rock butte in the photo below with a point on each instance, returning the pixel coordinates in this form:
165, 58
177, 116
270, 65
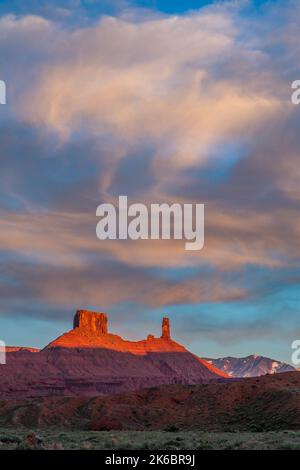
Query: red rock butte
90, 330
88, 361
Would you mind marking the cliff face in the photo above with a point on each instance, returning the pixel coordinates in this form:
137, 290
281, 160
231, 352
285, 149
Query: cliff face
91, 322
88, 361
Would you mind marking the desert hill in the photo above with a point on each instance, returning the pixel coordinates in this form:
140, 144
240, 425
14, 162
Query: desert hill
270, 402
88, 361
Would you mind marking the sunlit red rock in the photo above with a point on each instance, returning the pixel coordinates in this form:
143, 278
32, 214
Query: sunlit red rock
93, 323
91, 331
165, 333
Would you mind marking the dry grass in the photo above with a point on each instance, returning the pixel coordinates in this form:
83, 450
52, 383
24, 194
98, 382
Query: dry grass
152, 440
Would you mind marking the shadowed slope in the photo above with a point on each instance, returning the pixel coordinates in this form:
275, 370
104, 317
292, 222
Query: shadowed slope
254, 404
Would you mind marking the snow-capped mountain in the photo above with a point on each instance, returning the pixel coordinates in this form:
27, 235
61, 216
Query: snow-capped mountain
249, 366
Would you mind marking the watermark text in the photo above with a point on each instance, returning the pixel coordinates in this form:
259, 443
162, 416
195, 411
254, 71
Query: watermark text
2, 92
296, 354
161, 221
2, 352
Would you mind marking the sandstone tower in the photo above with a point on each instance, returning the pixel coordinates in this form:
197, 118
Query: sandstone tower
96, 324
165, 328
92, 322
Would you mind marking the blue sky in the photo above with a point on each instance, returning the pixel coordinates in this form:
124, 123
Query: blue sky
162, 101
81, 10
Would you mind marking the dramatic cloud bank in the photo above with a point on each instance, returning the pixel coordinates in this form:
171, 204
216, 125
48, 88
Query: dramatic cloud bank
164, 108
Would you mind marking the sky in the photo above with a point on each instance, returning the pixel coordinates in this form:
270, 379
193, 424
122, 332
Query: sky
162, 101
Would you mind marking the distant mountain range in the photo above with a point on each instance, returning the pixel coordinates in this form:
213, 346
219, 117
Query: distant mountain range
10, 349
249, 366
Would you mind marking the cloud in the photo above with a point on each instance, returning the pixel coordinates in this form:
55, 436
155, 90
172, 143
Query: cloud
148, 88
104, 285
68, 239
191, 108
151, 82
